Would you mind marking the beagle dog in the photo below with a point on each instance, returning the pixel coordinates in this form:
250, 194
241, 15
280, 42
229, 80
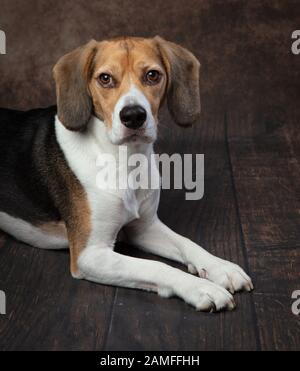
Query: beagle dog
108, 95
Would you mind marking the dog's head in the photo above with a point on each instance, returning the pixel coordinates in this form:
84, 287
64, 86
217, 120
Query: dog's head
124, 83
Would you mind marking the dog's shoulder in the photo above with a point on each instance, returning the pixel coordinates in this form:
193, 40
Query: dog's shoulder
22, 126
16, 118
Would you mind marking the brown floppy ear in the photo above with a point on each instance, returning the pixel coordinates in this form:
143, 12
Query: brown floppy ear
71, 74
183, 70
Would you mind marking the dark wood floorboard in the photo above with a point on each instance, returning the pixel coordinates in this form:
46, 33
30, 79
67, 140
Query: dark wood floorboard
146, 322
276, 276
266, 163
46, 308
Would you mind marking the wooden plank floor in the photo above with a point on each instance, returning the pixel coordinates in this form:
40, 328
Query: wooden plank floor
250, 214
266, 170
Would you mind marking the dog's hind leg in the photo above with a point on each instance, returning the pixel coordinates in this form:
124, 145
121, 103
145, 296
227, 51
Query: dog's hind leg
52, 235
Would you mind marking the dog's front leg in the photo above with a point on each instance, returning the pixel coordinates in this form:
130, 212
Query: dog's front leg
102, 265
93, 258
157, 238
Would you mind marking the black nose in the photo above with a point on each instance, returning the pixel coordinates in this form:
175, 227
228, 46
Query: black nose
133, 117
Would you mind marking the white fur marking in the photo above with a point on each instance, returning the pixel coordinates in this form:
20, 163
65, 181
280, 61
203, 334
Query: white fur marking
119, 132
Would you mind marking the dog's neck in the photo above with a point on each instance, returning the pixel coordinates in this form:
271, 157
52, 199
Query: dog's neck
94, 141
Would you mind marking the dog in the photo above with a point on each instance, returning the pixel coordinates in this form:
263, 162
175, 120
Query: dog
109, 94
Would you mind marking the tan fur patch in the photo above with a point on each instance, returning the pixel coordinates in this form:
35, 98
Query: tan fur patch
127, 60
57, 229
74, 208
79, 225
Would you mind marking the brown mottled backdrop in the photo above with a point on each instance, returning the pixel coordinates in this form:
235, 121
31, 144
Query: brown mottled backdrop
244, 46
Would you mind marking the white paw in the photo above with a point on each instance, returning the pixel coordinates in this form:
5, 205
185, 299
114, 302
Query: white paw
204, 295
226, 274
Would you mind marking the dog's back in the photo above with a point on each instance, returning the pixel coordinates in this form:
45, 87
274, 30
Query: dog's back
24, 137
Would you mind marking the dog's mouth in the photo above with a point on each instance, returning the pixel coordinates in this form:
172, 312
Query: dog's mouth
137, 136
133, 138
143, 135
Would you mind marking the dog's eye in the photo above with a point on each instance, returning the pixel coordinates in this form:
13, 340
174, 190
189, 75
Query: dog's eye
153, 77
106, 80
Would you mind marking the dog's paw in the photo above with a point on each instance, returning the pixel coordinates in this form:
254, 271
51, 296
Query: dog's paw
226, 274
204, 295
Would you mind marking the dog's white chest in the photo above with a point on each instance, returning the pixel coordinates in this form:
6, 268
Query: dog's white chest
103, 171
131, 205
